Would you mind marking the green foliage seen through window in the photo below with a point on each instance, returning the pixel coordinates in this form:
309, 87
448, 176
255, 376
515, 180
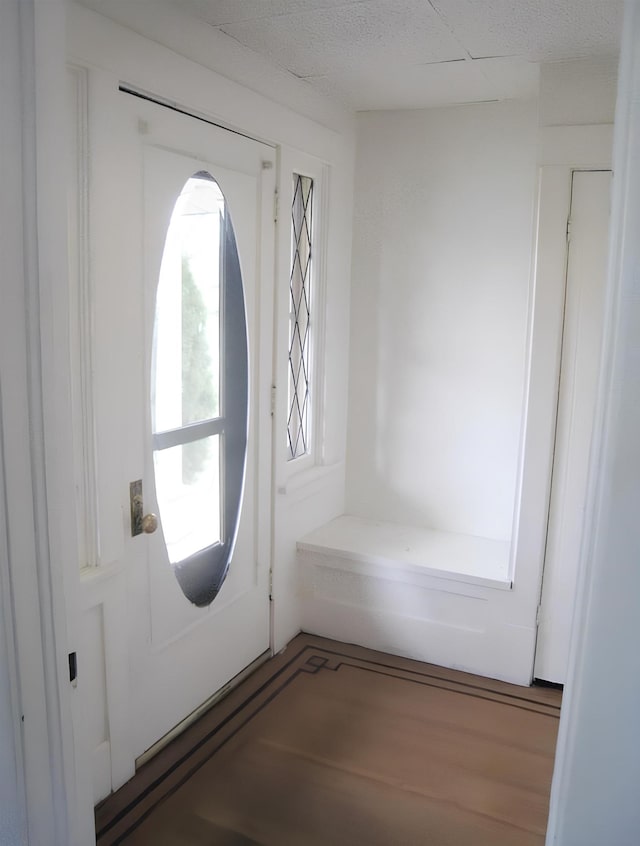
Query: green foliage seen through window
198, 392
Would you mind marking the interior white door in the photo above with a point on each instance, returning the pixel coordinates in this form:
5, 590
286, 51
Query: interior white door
146, 156
581, 345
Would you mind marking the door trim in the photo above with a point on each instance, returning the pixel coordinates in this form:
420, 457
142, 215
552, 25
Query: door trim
562, 150
556, 417
36, 411
175, 106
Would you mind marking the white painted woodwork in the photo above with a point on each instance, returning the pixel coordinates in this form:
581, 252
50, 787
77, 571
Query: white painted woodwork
13, 822
369, 545
310, 491
101, 54
561, 150
141, 155
580, 359
439, 597
97, 718
15, 542
103, 647
594, 796
37, 482
436, 596
81, 315
582, 804
427, 617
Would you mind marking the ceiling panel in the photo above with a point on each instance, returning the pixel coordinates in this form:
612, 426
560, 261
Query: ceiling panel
578, 92
402, 87
219, 12
511, 78
326, 41
535, 29
388, 53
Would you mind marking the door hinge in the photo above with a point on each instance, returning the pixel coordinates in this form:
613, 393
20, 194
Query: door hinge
276, 205
273, 400
271, 585
568, 229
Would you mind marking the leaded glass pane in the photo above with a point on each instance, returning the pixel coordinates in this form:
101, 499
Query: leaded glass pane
298, 423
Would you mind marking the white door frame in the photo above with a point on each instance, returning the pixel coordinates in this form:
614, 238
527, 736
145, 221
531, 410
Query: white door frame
550, 641
34, 353
562, 150
12, 349
594, 794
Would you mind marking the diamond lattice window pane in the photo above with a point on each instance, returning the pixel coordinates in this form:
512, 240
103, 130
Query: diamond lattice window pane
298, 423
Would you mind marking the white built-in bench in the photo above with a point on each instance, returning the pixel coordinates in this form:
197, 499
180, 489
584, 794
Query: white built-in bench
440, 597
359, 545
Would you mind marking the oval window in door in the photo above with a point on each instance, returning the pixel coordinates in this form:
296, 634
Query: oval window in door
199, 389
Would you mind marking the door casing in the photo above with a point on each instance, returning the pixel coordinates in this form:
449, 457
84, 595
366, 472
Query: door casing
577, 388
561, 150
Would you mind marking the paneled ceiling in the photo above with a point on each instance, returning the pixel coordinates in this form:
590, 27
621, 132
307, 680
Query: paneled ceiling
389, 54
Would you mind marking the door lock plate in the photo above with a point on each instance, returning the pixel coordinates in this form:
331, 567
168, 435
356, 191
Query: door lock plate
136, 505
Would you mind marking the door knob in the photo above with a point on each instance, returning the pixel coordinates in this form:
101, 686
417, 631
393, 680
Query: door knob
140, 522
149, 523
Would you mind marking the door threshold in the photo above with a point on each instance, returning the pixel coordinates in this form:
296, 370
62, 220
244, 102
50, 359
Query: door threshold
201, 709
544, 683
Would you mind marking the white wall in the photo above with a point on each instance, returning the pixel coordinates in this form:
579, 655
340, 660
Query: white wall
441, 268
578, 92
595, 787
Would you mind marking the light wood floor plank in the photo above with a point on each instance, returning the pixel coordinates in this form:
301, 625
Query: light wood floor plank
335, 744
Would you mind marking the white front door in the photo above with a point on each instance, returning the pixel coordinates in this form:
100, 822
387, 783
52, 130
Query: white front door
182, 263
581, 345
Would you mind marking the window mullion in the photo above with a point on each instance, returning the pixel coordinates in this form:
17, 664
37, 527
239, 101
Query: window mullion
188, 434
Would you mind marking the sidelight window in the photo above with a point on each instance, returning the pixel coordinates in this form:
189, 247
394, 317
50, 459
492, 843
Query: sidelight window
300, 397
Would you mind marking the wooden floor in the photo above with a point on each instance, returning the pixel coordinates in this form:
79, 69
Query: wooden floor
334, 744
